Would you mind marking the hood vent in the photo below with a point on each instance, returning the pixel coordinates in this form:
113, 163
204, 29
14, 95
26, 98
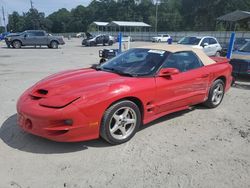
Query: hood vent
42, 91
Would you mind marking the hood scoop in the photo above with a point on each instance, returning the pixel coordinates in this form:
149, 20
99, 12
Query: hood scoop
38, 94
42, 91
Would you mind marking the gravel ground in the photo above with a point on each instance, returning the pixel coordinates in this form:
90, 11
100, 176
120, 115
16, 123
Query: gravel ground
194, 148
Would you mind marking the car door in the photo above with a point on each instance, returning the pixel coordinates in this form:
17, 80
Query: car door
165, 38
99, 39
186, 88
40, 38
206, 47
214, 46
28, 38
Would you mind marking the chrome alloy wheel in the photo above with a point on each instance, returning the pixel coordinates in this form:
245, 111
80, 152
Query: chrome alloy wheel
217, 94
122, 123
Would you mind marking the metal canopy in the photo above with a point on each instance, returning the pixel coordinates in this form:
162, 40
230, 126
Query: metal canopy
101, 23
234, 16
128, 24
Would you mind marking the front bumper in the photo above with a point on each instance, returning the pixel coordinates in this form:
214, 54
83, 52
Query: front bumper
154, 40
8, 42
50, 123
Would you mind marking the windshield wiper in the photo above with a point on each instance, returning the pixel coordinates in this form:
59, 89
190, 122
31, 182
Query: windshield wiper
118, 71
96, 67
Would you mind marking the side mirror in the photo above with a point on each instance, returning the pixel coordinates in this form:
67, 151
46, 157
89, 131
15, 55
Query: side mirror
167, 72
204, 45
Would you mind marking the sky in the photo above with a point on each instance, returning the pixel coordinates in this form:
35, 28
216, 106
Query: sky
46, 6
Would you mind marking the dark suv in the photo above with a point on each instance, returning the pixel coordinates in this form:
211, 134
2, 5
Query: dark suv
33, 38
99, 39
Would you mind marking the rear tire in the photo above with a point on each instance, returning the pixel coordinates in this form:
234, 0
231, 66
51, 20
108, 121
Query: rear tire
16, 44
120, 122
216, 94
54, 45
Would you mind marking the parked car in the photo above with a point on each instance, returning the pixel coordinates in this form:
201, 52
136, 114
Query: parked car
241, 61
33, 38
114, 99
161, 38
238, 43
99, 39
79, 35
210, 45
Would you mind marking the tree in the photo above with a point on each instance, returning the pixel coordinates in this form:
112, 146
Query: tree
16, 22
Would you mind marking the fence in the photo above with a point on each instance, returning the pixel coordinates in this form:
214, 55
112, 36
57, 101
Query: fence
222, 36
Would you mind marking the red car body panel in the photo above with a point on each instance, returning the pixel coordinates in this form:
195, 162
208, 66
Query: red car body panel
69, 106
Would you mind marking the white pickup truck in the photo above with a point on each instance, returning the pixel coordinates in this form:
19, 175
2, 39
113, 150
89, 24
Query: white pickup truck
161, 38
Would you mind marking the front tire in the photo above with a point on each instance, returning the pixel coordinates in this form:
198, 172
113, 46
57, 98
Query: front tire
216, 94
16, 44
120, 122
54, 44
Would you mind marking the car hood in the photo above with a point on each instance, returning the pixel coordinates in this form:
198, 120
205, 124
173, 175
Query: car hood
13, 34
241, 55
63, 88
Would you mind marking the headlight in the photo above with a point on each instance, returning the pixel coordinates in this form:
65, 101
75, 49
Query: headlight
8, 38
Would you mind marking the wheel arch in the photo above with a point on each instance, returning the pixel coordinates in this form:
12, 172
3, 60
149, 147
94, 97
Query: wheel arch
54, 40
16, 40
133, 99
223, 78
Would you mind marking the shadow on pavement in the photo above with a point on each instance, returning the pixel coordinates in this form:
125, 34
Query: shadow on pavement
14, 137
242, 82
167, 117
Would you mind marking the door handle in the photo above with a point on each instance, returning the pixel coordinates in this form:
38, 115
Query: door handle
204, 76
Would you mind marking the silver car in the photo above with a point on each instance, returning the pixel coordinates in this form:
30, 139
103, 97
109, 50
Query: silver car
210, 45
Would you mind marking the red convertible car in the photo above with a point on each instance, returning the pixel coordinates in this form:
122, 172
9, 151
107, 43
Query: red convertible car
113, 99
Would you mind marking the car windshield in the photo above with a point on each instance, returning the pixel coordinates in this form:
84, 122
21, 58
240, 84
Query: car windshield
189, 41
245, 48
136, 62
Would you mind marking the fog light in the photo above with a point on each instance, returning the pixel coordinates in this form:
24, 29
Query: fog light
68, 122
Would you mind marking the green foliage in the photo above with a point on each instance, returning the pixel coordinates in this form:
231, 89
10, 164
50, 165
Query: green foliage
173, 15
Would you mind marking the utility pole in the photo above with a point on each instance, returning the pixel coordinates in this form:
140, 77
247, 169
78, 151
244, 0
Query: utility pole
5, 28
31, 4
156, 16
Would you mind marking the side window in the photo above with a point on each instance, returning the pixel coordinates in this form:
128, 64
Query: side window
212, 41
30, 34
165, 35
205, 40
39, 34
98, 39
183, 61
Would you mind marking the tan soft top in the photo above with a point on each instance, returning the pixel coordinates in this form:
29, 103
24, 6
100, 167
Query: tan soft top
179, 48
